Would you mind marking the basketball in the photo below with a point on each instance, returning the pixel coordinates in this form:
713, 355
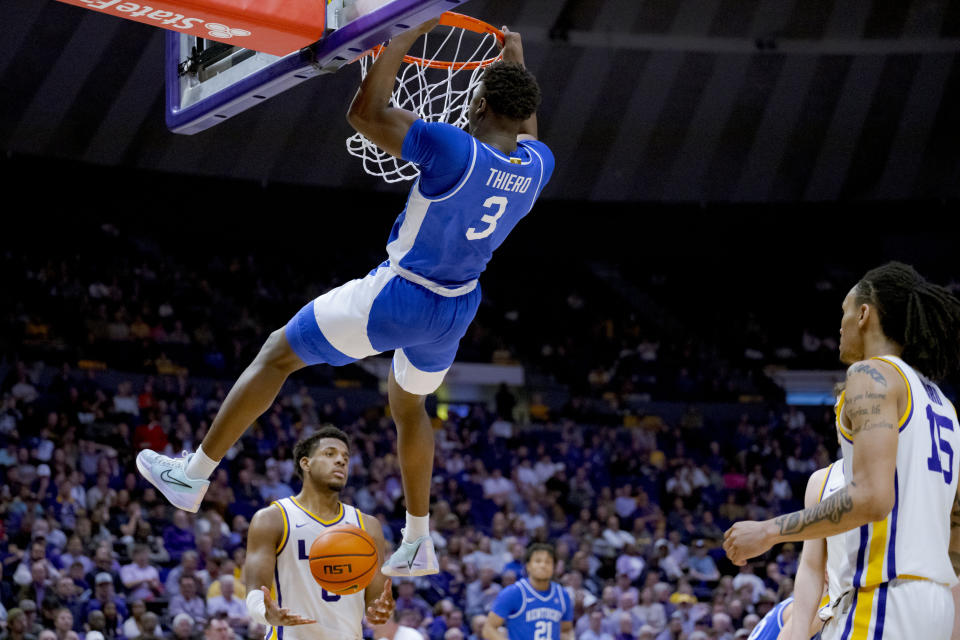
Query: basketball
344, 559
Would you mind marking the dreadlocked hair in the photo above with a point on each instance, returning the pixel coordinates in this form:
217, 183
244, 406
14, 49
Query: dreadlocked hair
922, 317
511, 90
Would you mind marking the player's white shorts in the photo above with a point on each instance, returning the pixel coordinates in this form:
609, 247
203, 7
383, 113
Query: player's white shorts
895, 610
381, 312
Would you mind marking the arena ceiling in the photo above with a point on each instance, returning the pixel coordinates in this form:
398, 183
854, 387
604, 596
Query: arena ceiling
644, 100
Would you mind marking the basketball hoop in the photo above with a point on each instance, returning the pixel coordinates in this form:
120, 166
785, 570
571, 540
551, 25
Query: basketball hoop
436, 85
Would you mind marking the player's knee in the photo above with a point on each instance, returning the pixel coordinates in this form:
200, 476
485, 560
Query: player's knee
406, 408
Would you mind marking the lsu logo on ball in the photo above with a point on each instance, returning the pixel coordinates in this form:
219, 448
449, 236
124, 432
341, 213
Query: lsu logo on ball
336, 569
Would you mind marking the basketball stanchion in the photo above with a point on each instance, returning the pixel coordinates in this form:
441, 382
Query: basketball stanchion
436, 85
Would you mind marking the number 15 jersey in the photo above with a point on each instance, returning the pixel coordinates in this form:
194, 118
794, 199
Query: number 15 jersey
468, 198
913, 540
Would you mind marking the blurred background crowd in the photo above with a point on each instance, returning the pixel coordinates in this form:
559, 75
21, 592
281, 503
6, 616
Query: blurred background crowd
648, 424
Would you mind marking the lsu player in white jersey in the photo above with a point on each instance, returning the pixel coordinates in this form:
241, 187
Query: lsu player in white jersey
823, 575
474, 187
794, 619
901, 459
278, 547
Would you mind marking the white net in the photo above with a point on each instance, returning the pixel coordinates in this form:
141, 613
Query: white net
434, 94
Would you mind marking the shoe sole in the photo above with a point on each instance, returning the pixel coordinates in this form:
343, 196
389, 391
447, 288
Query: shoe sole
145, 472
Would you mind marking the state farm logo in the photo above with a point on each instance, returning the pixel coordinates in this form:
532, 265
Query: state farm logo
164, 18
224, 32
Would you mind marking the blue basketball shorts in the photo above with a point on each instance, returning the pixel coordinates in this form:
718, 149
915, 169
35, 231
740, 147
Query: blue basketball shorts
381, 312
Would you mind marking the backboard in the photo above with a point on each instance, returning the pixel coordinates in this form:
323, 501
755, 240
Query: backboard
207, 82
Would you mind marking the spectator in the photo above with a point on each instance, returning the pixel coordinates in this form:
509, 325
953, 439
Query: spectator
32, 624
141, 580
103, 562
227, 602
274, 488
178, 536
408, 599
481, 593
63, 623
16, 626
747, 580
189, 563
595, 629
37, 556
188, 601
97, 623
674, 630
218, 629
103, 593
136, 625
183, 628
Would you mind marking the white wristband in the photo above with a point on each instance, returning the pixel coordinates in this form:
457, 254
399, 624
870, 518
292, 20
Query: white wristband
256, 607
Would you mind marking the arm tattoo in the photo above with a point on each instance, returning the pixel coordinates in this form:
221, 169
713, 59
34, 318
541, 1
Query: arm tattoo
863, 367
955, 513
831, 509
863, 409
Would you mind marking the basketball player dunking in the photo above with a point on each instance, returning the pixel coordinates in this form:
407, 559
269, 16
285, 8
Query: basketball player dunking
278, 545
473, 189
900, 442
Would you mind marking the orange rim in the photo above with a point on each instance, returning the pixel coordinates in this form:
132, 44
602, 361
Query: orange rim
457, 21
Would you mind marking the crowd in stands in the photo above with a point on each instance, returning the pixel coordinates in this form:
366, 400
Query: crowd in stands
636, 504
637, 512
134, 301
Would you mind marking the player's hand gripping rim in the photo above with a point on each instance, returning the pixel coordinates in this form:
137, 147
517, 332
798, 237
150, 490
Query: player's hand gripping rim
381, 609
278, 617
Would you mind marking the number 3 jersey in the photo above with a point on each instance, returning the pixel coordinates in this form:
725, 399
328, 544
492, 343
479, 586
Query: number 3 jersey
912, 542
533, 615
468, 198
338, 617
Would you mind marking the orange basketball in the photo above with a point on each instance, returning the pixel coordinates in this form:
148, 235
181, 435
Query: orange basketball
344, 559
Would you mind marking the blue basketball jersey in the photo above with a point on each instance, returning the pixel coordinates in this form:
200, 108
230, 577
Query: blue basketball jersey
533, 615
772, 624
447, 238
769, 628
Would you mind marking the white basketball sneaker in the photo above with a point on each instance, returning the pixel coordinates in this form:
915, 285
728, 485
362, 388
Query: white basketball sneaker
169, 476
417, 558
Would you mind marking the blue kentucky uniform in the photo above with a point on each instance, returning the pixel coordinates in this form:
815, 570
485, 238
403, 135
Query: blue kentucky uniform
420, 301
533, 615
772, 624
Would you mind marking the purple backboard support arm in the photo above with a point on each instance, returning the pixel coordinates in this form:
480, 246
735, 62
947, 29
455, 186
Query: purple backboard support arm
326, 56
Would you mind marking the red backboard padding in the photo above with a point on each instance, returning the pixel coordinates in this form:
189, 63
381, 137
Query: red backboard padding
277, 27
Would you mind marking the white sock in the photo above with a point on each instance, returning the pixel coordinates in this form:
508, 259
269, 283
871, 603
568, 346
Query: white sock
200, 466
417, 526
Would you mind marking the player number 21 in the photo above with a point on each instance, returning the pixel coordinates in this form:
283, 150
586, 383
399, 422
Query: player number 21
542, 631
493, 201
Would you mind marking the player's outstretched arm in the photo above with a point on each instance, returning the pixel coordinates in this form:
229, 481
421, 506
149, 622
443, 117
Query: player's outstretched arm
370, 112
873, 392
808, 587
513, 52
263, 538
379, 593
